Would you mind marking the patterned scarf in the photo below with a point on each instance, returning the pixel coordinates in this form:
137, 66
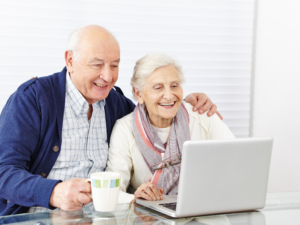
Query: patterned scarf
152, 147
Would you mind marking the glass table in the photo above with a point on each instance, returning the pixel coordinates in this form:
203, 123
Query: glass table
278, 211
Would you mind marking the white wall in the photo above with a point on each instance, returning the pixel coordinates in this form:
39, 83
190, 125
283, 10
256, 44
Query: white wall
277, 89
211, 38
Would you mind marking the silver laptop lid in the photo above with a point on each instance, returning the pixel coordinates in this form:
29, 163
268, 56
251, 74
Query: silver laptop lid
219, 176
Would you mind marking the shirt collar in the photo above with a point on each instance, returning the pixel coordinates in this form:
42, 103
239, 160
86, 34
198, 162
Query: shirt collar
77, 101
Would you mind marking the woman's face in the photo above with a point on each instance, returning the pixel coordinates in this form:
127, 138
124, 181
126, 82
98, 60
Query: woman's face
162, 95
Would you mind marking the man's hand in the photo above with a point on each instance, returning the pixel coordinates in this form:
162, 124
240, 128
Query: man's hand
149, 192
202, 103
71, 194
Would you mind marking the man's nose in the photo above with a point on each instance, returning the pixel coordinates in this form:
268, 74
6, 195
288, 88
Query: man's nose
106, 73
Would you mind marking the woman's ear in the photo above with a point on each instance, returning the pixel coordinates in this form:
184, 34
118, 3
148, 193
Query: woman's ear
138, 96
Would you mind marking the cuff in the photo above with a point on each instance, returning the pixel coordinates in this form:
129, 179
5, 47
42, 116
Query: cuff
125, 197
43, 192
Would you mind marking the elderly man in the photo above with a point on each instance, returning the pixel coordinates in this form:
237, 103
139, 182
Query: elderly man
55, 130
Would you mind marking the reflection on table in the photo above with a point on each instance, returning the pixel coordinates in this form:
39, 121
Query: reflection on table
130, 214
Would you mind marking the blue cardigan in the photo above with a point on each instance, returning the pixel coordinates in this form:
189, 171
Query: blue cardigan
30, 126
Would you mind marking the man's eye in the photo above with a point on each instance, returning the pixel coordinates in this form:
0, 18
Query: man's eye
157, 88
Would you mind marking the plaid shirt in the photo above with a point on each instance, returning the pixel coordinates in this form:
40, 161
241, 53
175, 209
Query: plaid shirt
84, 148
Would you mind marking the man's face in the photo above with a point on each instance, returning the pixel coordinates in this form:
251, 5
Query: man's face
95, 71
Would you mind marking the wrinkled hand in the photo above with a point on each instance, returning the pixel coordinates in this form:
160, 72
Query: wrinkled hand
69, 195
149, 192
202, 103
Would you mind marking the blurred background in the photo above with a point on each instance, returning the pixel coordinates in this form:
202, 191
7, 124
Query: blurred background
244, 54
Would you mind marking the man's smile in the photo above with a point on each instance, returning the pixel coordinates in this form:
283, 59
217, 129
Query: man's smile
100, 85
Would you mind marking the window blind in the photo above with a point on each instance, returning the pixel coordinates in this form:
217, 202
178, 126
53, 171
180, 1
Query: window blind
211, 39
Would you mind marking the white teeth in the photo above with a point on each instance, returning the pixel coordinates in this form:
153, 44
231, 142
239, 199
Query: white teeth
170, 104
100, 85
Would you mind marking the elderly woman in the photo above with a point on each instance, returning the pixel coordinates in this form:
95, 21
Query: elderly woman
155, 132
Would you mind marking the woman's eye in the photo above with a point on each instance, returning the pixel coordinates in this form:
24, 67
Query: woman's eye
157, 88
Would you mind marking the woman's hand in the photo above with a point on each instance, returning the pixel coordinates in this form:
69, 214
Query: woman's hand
149, 192
202, 103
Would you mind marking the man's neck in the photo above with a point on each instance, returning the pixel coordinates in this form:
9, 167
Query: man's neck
90, 112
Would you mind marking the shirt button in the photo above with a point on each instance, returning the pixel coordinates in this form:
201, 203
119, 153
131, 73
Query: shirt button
43, 175
55, 148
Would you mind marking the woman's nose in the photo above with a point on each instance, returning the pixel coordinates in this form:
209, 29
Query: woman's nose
168, 94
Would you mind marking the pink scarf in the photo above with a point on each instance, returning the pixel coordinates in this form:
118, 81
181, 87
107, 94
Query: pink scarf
152, 147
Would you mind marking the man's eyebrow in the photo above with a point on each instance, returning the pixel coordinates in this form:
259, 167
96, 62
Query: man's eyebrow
97, 59
102, 60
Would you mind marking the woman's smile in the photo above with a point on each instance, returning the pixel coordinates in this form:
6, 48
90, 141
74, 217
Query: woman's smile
162, 95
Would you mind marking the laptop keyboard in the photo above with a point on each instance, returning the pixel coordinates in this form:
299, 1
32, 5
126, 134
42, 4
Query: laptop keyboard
170, 205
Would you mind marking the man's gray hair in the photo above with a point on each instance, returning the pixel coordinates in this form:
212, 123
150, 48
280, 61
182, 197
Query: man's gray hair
74, 41
76, 37
145, 66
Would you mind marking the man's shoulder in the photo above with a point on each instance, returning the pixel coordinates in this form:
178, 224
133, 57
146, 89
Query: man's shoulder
117, 93
116, 99
46, 82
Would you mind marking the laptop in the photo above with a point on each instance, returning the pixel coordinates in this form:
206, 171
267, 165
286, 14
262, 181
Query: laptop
219, 176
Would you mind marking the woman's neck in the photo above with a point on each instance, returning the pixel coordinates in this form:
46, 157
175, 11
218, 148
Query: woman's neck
160, 122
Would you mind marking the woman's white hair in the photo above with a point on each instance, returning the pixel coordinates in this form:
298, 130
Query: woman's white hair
145, 66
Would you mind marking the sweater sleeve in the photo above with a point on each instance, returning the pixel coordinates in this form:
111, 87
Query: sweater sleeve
120, 159
20, 127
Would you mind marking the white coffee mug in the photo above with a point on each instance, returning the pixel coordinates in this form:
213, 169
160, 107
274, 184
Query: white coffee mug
105, 190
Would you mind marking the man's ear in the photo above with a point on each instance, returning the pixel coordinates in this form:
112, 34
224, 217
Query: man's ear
138, 96
69, 58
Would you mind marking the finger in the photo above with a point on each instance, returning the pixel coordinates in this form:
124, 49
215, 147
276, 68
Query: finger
219, 115
156, 192
162, 190
78, 204
149, 192
144, 195
191, 99
84, 198
71, 207
212, 110
202, 101
205, 106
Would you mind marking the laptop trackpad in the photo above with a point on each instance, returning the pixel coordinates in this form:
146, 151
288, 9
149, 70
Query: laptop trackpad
170, 198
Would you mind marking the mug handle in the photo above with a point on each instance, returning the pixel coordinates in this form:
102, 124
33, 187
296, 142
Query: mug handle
89, 180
